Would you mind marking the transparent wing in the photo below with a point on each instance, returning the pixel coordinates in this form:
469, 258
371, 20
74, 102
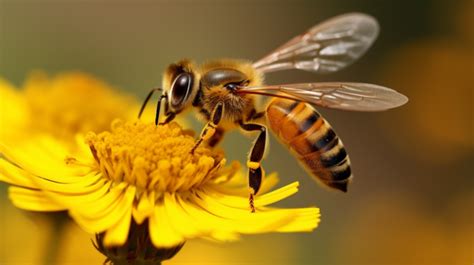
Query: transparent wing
326, 47
335, 95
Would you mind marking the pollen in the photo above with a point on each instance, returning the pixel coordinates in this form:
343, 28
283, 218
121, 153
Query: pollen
153, 158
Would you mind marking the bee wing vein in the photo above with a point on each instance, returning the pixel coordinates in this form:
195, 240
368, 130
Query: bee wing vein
337, 95
326, 47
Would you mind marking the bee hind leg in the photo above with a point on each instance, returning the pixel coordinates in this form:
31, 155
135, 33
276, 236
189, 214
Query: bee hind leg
256, 172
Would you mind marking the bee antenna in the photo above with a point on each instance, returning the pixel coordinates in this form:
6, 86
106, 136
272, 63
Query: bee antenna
146, 101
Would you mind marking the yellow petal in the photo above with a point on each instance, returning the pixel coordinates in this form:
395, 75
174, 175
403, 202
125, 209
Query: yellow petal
144, 208
99, 208
99, 219
161, 232
205, 222
242, 220
239, 185
179, 219
79, 199
85, 184
228, 219
33, 200
118, 233
226, 196
34, 160
15, 175
277, 195
307, 219
260, 222
214, 205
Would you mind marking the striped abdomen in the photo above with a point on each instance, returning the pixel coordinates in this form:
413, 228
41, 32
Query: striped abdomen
311, 138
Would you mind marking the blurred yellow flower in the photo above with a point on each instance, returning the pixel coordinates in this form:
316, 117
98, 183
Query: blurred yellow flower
13, 110
146, 173
436, 73
61, 106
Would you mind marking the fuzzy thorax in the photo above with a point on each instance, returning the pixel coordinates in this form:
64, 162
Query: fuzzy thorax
153, 158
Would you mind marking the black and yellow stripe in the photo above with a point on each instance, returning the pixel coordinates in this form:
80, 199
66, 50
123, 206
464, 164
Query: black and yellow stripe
299, 126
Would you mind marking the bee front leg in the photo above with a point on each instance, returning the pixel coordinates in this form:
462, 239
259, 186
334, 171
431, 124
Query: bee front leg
169, 117
256, 172
163, 97
210, 128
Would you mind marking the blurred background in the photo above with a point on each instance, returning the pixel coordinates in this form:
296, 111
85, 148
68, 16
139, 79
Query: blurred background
412, 196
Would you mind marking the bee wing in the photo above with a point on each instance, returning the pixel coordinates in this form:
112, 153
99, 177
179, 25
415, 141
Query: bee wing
335, 95
326, 47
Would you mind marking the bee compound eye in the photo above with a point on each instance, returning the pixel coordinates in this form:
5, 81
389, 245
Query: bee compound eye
181, 90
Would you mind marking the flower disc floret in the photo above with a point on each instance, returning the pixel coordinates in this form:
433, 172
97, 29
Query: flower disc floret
153, 158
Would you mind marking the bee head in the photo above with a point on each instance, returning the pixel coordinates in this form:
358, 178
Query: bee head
181, 85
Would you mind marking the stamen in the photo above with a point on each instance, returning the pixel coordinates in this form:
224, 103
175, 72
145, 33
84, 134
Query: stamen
153, 158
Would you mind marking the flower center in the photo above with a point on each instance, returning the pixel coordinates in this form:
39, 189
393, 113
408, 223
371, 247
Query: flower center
153, 158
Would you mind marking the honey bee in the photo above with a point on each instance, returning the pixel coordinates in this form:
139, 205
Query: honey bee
226, 92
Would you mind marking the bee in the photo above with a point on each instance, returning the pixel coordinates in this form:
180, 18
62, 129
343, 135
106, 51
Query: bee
226, 92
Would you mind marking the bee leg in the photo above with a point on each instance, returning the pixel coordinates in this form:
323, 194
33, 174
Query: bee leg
168, 119
254, 115
145, 102
217, 137
169, 116
164, 97
211, 127
256, 172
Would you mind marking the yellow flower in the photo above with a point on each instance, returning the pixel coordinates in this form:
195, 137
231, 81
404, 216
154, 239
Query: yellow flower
62, 106
145, 173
